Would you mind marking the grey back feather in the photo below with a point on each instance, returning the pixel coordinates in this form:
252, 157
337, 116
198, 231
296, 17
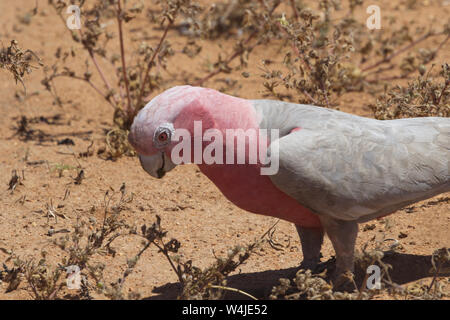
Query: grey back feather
356, 168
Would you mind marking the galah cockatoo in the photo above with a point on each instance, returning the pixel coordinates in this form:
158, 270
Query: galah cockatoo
335, 170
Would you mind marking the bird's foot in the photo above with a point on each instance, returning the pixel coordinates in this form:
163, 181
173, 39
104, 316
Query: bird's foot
314, 266
344, 281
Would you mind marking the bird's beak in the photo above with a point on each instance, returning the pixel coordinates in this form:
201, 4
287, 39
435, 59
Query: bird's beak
156, 165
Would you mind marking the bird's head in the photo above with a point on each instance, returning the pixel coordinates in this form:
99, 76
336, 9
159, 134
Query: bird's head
153, 129
173, 117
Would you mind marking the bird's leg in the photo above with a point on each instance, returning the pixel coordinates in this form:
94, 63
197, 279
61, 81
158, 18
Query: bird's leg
311, 240
343, 236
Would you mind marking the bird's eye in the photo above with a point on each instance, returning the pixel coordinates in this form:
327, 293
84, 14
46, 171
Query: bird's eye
163, 137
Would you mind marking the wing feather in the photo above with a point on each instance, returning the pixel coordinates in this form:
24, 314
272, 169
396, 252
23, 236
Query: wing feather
355, 168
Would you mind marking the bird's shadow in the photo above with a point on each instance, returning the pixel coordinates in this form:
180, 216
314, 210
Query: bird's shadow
405, 268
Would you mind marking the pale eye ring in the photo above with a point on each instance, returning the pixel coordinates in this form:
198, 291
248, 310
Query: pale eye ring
163, 135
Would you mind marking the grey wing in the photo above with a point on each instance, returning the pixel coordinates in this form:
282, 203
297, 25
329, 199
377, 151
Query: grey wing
360, 169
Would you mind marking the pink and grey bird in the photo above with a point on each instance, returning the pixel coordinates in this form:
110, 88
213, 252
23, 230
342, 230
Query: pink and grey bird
335, 169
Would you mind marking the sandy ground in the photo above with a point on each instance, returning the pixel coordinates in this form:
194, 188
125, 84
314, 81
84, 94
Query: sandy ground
191, 207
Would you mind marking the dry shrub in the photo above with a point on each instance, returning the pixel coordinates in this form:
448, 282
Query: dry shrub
426, 96
211, 283
135, 80
308, 286
18, 61
139, 75
328, 56
45, 281
90, 239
